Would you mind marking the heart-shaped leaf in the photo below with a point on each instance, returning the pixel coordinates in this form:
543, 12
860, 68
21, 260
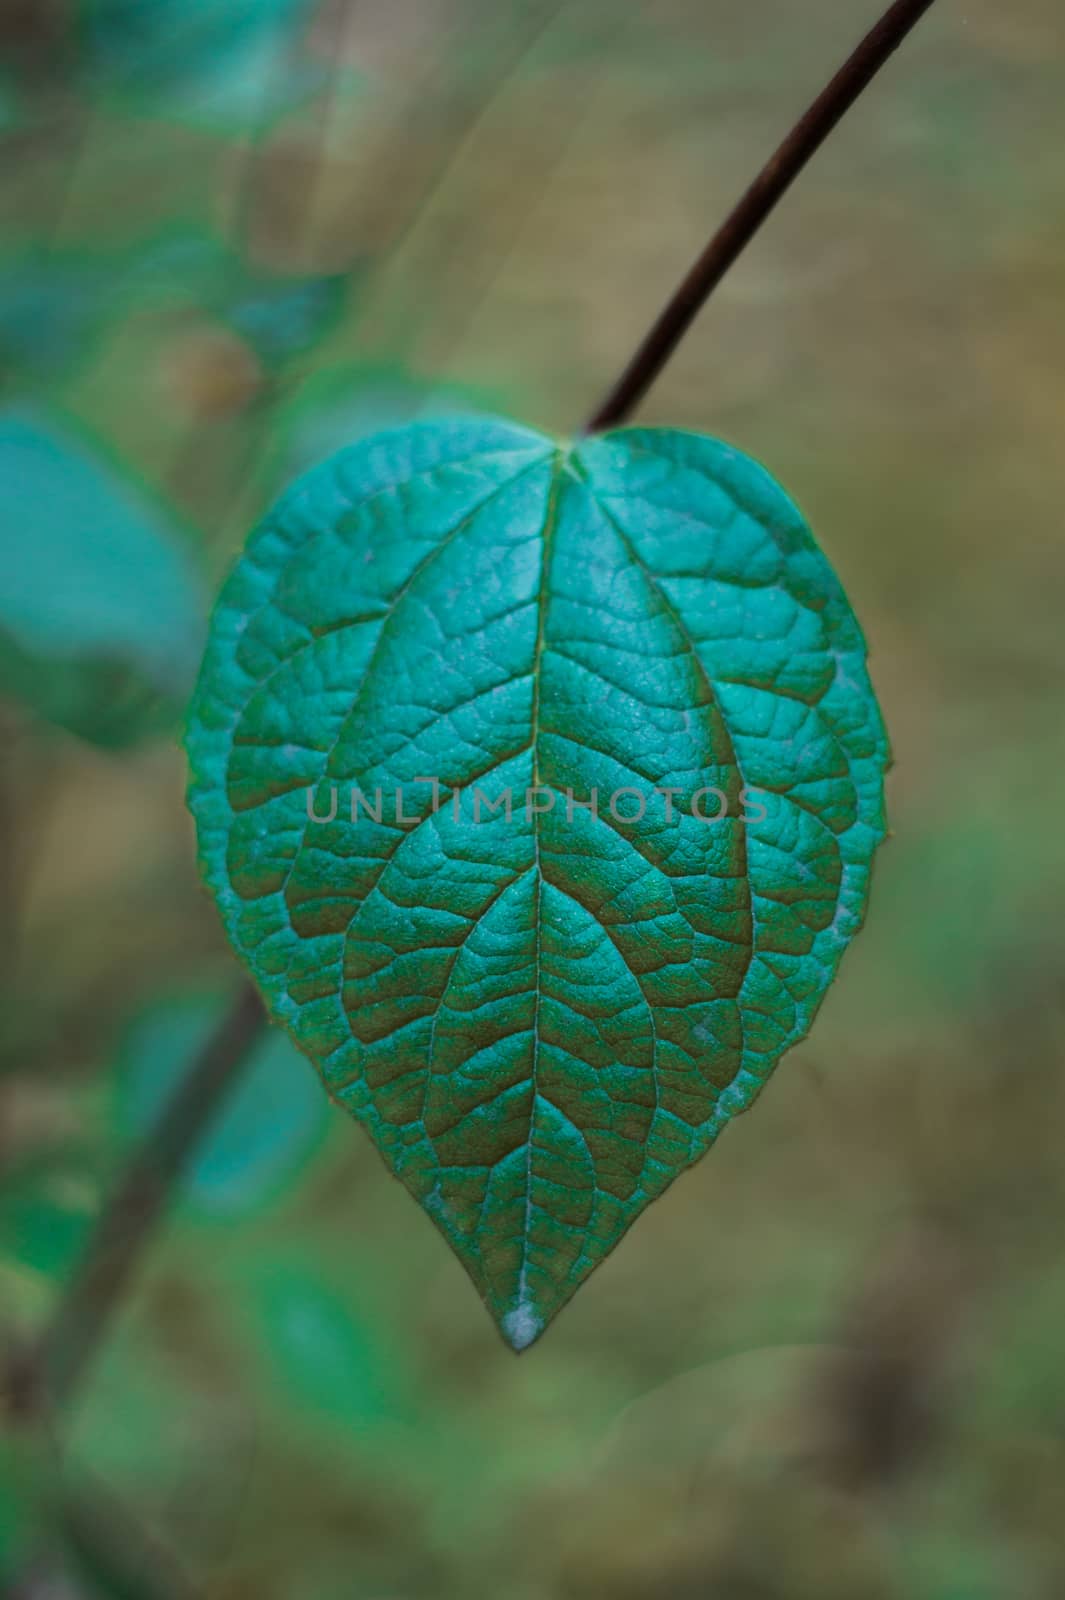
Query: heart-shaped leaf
542, 1010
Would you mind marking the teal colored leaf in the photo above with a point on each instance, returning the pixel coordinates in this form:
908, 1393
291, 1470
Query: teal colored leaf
219, 64
543, 1018
269, 1125
280, 314
284, 317
50, 311
100, 607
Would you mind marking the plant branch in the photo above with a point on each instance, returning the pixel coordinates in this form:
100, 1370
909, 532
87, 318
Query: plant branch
751, 211
122, 1232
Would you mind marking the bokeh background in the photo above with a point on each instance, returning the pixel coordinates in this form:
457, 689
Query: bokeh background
238, 233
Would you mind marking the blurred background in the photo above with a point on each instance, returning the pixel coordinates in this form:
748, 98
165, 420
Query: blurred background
239, 233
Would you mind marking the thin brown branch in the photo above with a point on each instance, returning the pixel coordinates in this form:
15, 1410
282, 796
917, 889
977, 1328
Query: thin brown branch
745, 219
124, 1228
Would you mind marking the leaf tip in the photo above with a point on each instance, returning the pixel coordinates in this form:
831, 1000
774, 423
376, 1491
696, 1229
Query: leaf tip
521, 1326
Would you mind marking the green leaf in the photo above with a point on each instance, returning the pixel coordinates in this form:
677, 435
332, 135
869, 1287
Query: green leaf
271, 1122
541, 1019
327, 1351
44, 1220
100, 609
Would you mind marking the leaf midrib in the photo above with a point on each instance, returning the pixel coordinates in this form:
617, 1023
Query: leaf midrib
547, 544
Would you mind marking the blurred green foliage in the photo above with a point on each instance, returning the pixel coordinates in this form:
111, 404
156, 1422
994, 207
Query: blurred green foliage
100, 611
827, 1363
222, 66
266, 1129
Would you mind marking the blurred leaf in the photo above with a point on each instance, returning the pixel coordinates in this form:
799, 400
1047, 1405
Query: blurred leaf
333, 1353
50, 309
219, 64
280, 315
275, 1117
543, 1017
251, 83
100, 609
178, 263
43, 1223
283, 317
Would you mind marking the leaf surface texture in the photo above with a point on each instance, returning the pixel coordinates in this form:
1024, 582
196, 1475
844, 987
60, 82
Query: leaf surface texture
543, 1018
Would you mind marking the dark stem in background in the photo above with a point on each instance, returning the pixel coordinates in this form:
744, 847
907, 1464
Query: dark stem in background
126, 1224
744, 221
125, 1227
